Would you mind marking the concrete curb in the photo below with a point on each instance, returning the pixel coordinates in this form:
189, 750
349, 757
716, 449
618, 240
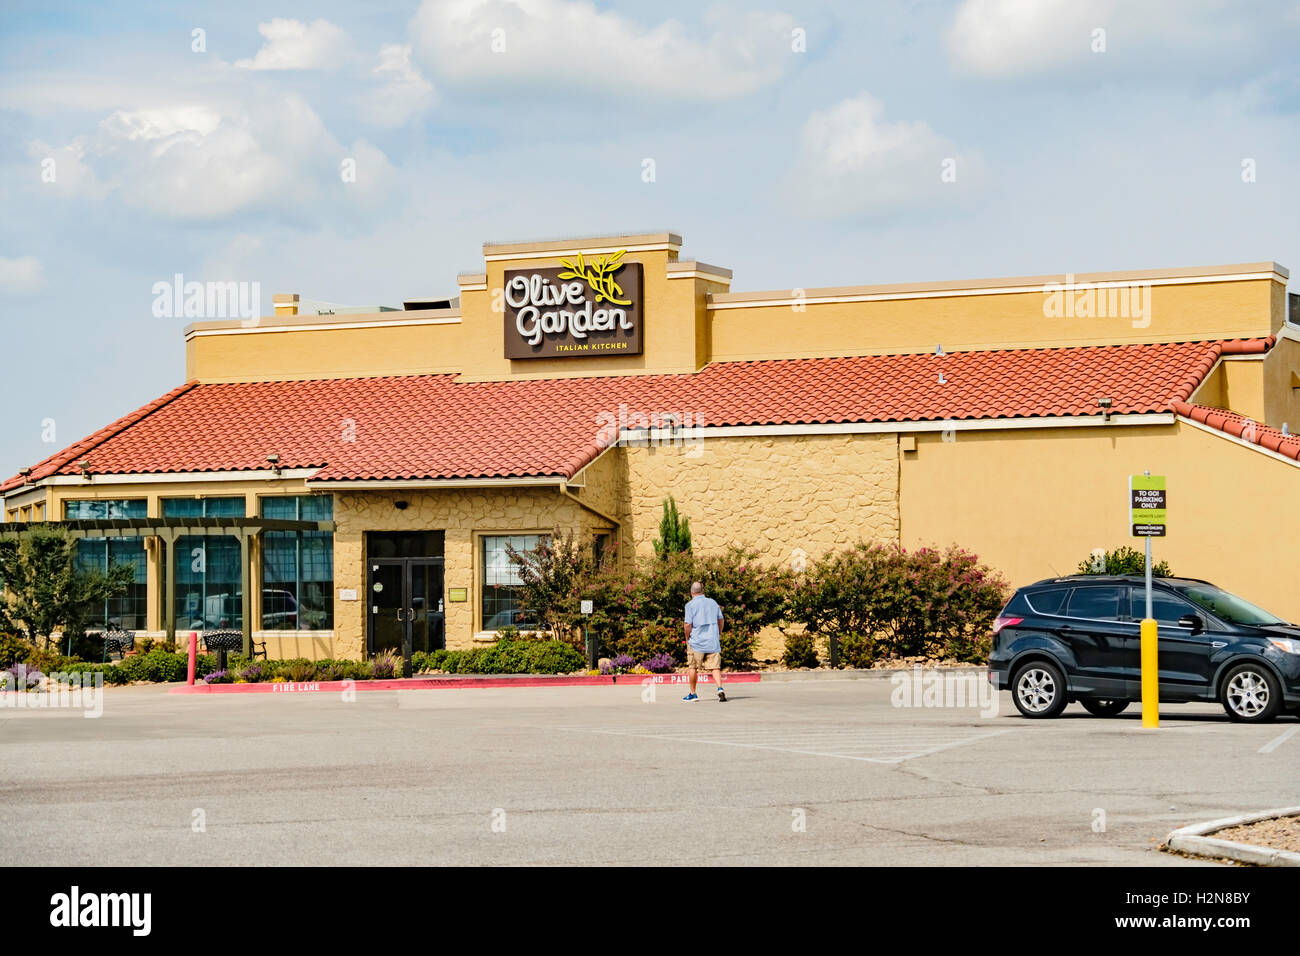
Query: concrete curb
882, 673
455, 681
1192, 839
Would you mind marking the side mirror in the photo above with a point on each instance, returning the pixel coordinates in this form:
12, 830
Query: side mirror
1192, 621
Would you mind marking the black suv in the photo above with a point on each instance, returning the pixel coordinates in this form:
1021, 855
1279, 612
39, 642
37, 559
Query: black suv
1077, 639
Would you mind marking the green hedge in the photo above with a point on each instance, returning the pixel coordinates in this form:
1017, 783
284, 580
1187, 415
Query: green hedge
505, 657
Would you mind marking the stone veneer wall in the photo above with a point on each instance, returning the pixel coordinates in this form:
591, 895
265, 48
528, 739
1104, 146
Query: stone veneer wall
786, 497
780, 496
462, 514
777, 495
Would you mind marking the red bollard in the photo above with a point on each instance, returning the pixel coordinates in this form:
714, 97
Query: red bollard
194, 646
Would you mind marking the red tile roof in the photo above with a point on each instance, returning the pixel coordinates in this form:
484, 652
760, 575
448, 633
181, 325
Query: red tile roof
1239, 426
431, 426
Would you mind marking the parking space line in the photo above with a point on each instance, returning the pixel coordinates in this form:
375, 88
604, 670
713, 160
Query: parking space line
835, 749
1279, 740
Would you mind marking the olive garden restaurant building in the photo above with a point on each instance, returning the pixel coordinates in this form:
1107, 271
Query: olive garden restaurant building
333, 483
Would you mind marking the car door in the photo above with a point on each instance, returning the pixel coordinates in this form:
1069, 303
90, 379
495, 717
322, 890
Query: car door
1101, 637
1183, 658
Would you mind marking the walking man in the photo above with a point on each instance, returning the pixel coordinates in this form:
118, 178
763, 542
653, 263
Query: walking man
703, 647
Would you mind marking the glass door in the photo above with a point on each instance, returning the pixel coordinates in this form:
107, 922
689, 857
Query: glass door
387, 605
426, 607
406, 605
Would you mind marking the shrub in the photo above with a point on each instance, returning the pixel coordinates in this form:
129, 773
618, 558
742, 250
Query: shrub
252, 674
857, 651
639, 610
14, 650
516, 657
218, 677
907, 603
157, 666
674, 532
1123, 560
660, 664
653, 639
386, 666
800, 650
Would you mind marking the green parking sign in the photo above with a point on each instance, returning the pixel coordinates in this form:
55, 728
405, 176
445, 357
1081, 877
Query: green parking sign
1147, 503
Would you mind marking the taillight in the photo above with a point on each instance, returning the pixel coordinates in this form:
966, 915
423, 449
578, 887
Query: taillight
1002, 622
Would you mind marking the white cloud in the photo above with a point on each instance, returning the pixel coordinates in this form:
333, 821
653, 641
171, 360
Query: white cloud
294, 45
403, 92
204, 162
567, 43
853, 162
21, 275
1003, 38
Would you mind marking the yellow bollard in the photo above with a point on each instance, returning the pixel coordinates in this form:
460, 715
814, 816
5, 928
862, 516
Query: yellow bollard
1150, 675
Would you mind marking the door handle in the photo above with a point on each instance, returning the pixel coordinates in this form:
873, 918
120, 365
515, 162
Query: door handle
1217, 644
399, 614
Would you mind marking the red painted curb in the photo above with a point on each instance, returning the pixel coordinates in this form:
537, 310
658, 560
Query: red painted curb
455, 681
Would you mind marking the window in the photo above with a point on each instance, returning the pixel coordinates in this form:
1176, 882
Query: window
128, 610
1049, 601
298, 567
1097, 603
1166, 608
1229, 606
501, 580
209, 585
105, 509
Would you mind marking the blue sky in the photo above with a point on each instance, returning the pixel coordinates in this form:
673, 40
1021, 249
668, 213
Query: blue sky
472, 120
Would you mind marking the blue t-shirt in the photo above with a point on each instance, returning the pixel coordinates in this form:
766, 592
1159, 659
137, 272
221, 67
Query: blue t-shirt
703, 615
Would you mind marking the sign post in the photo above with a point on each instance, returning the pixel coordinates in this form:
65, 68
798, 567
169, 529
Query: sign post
1147, 519
587, 607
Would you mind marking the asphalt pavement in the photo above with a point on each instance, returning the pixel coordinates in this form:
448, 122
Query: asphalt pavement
796, 772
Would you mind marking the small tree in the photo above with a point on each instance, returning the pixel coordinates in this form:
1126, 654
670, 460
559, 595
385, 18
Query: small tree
45, 591
674, 531
1123, 560
553, 577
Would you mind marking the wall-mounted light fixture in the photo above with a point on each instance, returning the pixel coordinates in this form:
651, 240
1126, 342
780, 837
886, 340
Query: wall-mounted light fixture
274, 459
1105, 404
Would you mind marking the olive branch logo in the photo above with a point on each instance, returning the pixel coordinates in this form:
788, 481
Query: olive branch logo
599, 275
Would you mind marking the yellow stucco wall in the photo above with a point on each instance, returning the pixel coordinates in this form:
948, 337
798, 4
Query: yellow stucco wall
1178, 313
1282, 385
1035, 502
675, 337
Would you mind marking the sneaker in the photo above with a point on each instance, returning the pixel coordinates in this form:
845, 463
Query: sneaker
722, 695
690, 698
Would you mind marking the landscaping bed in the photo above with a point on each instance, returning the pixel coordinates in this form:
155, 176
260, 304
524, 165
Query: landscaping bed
1280, 833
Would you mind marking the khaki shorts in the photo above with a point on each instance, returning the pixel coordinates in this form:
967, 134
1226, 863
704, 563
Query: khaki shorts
701, 661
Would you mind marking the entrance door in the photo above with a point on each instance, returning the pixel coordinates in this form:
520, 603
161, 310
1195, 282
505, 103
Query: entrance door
406, 605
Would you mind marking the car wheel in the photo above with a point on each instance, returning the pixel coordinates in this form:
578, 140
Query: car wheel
1102, 707
1039, 690
1251, 694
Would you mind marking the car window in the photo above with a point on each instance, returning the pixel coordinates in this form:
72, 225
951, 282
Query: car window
1097, 603
1165, 608
1229, 606
1048, 601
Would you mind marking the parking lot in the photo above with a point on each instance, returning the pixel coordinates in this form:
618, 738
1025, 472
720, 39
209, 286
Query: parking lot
802, 772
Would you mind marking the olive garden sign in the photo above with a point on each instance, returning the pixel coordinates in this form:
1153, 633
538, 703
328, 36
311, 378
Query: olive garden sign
586, 307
